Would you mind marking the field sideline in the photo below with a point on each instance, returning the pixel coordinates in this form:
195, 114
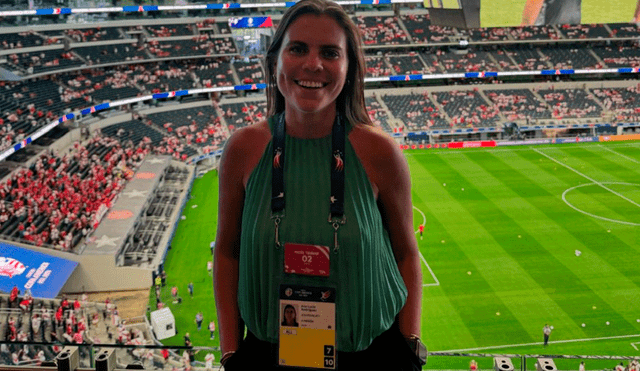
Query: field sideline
502, 230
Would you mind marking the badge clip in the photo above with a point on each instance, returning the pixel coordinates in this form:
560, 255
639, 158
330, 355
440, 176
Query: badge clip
277, 218
336, 222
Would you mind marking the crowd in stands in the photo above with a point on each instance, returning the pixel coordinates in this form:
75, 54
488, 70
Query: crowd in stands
54, 202
376, 66
60, 322
111, 53
381, 30
170, 30
618, 56
622, 101
24, 108
81, 35
467, 109
410, 64
573, 103
35, 62
422, 31
581, 31
534, 33
416, 111
20, 40
518, 104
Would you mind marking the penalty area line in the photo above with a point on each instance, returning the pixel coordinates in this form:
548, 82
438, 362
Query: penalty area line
619, 154
437, 283
542, 343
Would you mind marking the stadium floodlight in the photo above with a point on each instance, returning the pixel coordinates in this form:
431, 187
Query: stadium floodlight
546, 364
502, 364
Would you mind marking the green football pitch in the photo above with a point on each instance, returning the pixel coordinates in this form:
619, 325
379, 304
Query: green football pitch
515, 238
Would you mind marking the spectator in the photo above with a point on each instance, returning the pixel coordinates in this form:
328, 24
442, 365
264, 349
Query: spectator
212, 329
187, 340
198, 320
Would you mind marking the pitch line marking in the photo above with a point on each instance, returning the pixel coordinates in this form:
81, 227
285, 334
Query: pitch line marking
564, 198
619, 154
437, 283
634, 345
542, 343
587, 177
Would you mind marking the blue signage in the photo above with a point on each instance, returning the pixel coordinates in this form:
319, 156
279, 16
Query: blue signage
44, 275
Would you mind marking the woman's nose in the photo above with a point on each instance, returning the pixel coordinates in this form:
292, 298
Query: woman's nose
312, 61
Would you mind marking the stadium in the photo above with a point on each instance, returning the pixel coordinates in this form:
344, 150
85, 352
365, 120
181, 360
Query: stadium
523, 143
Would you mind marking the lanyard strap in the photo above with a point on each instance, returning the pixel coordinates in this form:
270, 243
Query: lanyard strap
336, 201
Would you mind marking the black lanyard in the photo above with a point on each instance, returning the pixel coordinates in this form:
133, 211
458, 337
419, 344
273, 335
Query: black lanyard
336, 201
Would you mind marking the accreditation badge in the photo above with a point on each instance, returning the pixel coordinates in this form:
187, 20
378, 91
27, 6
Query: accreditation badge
309, 260
307, 336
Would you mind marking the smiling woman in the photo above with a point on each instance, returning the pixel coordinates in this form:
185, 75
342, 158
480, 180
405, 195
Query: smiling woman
355, 275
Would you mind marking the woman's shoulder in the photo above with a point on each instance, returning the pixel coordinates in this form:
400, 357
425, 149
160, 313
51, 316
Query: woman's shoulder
373, 144
248, 137
245, 148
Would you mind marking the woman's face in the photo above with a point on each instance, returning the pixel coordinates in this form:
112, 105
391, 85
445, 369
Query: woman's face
290, 315
312, 64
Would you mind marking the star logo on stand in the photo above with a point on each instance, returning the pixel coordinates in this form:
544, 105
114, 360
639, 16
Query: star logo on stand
106, 241
135, 193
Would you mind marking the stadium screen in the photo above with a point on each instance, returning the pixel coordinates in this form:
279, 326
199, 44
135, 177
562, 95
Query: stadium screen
509, 13
252, 35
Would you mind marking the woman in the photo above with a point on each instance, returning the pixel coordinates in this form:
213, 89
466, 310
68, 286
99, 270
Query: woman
289, 316
315, 74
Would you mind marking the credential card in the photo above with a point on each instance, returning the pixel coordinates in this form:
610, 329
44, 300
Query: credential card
307, 335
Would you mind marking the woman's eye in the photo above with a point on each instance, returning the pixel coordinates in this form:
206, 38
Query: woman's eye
296, 49
331, 54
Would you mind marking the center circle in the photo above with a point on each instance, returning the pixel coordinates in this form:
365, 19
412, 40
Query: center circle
564, 198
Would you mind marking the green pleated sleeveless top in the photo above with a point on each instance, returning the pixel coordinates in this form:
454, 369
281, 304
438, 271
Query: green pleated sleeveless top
370, 289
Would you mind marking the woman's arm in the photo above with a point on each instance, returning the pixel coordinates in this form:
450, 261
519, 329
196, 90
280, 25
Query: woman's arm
394, 200
388, 173
240, 156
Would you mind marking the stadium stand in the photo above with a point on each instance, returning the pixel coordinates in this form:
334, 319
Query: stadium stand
417, 112
377, 66
170, 30
105, 54
93, 34
21, 40
411, 63
422, 31
618, 56
518, 104
379, 30
571, 103
534, 33
569, 56
467, 108
580, 31
464, 61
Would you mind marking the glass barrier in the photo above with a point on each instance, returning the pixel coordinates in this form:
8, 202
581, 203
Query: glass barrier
149, 357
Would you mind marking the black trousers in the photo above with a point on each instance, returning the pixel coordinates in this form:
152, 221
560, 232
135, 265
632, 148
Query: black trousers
388, 352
